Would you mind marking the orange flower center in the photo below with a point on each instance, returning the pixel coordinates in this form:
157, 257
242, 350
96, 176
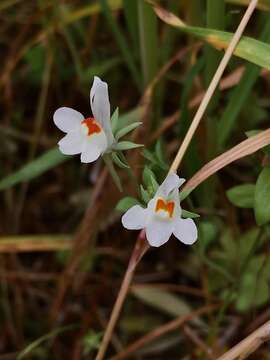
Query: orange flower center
167, 206
92, 126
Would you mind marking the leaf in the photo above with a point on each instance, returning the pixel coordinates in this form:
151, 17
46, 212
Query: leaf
242, 195
188, 214
262, 197
161, 300
262, 4
144, 194
126, 203
35, 168
119, 162
114, 120
126, 145
91, 341
127, 129
43, 338
239, 95
249, 49
149, 179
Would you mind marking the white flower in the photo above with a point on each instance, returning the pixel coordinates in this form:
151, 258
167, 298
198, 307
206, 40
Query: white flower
91, 136
162, 217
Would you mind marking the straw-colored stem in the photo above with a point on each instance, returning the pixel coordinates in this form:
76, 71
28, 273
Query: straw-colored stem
213, 85
138, 251
247, 346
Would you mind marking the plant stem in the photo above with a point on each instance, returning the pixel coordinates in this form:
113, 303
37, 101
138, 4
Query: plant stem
141, 244
139, 250
213, 85
247, 346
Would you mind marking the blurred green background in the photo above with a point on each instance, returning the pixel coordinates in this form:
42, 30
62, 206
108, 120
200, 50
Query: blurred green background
63, 250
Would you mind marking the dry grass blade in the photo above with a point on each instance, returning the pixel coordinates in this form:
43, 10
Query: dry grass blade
245, 148
250, 344
14, 244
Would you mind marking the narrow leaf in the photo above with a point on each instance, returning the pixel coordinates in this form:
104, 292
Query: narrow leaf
262, 197
126, 203
126, 145
188, 214
35, 168
248, 48
119, 162
127, 129
242, 195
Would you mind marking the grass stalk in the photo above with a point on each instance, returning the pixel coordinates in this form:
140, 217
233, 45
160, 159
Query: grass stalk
148, 41
213, 85
121, 42
139, 250
240, 95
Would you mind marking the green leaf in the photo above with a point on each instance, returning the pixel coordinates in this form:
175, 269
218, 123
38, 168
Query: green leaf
127, 129
126, 145
119, 162
262, 4
149, 179
35, 344
248, 48
262, 197
126, 203
163, 300
91, 341
114, 120
144, 194
184, 194
242, 195
188, 214
35, 168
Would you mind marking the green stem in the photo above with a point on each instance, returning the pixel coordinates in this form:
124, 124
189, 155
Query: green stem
112, 171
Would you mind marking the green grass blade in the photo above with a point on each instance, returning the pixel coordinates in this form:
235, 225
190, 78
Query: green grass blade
262, 4
239, 96
122, 43
215, 19
148, 41
35, 168
42, 339
248, 48
131, 15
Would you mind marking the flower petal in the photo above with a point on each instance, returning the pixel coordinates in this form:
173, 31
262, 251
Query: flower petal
67, 119
93, 147
158, 231
135, 218
185, 230
100, 105
171, 182
72, 143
